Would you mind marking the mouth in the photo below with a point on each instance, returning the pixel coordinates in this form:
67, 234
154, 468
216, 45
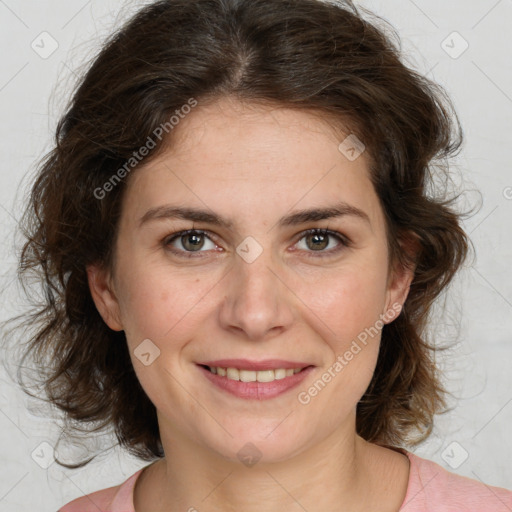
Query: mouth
256, 380
239, 374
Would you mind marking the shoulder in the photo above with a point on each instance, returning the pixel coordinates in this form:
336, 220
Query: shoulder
114, 499
431, 487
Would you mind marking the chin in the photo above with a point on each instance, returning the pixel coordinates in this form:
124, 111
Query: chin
260, 444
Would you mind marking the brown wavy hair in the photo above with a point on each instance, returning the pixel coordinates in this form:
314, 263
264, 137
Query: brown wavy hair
324, 57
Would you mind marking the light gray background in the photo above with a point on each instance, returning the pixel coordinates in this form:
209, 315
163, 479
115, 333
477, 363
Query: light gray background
474, 438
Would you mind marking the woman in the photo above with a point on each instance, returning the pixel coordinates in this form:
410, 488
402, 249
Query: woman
240, 252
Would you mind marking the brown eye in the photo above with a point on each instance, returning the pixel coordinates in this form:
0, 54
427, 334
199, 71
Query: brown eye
192, 241
318, 240
188, 242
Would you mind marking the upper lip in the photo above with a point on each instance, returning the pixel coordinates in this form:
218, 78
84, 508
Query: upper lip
246, 364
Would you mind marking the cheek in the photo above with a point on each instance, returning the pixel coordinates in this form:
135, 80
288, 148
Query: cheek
151, 303
349, 299
347, 306
158, 307
163, 304
351, 329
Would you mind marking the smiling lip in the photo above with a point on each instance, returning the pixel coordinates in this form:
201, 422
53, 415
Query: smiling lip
246, 364
255, 390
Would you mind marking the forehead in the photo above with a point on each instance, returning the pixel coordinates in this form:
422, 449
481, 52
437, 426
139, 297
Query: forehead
253, 130
250, 157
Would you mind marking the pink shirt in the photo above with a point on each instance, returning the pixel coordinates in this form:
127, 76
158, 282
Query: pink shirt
430, 488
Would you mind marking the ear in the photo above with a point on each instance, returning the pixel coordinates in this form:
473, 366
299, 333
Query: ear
400, 279
103, 295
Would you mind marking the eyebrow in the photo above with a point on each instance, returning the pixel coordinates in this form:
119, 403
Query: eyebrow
296, 218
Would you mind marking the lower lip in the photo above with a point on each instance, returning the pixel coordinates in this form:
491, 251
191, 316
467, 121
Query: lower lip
257, 390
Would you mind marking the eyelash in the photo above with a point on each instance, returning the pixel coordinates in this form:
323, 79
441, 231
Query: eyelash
344, 242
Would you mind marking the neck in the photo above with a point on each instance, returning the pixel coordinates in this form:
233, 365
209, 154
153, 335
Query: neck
341, 469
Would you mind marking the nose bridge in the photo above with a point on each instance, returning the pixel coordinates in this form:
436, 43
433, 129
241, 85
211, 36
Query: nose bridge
256, 274
256, 299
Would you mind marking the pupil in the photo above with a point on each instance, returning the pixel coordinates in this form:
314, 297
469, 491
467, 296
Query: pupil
194, 241
321, 238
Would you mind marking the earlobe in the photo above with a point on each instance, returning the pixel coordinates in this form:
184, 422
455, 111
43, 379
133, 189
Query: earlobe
104, 297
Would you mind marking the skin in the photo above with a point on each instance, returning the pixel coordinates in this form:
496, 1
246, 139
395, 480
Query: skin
254, 164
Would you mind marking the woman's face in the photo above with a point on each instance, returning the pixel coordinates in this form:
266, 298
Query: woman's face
253, 287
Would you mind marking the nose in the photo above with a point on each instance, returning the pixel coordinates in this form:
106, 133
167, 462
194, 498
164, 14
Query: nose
257, 303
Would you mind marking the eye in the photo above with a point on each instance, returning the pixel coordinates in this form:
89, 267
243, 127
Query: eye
317, 240
191, 241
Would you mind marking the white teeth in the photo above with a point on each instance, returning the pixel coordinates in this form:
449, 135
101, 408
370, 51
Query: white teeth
280, 374
265, 376
252, 375
247, 375
233, 374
